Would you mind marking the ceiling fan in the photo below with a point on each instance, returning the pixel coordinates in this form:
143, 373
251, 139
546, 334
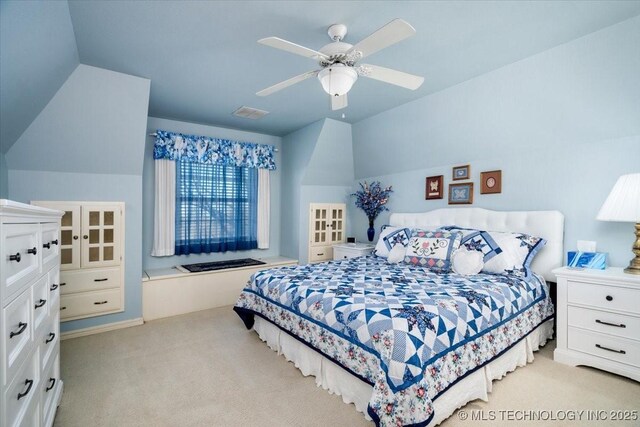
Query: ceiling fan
338, 70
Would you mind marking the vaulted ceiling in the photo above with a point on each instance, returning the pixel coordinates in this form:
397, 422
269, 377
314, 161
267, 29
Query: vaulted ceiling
204, 62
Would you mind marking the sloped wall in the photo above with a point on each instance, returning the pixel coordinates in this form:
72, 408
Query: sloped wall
562, 126
317, 168
87, 144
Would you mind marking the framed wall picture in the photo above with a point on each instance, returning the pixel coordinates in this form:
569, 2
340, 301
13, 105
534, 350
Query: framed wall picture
434, 187
461, 172
461, 194
491, 182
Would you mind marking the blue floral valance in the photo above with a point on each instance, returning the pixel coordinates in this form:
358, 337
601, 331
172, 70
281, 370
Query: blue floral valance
203, 149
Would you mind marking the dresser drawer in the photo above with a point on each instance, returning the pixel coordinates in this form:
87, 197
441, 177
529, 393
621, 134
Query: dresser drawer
19, 257
48, 385
48, 340
17, 332
605, 322
345, 253
21, 392
89, 280
601, 296
89, 303
50, 244
40, 303
320, 253
606, 346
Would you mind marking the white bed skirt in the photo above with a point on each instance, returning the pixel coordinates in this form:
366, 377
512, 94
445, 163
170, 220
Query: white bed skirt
337, 380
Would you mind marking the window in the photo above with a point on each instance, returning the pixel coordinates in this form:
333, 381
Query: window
216, 208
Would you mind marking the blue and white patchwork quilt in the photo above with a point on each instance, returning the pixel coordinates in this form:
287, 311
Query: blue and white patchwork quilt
407, 331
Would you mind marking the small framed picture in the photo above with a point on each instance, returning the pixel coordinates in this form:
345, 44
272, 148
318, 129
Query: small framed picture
434, 187
461, 172
461, 194
491, 182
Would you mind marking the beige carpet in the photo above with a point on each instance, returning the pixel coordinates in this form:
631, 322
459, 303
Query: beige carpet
206, 369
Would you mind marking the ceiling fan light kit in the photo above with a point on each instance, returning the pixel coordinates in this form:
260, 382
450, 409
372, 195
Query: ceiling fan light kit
338, 70
337, 79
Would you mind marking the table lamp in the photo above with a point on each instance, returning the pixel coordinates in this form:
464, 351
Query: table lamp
623, 205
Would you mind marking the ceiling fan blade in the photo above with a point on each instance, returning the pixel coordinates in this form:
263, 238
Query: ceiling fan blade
339, 102
388, 75
395, 31
281, 44
293, 80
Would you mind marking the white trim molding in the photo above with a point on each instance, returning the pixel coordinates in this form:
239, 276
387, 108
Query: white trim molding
101, 328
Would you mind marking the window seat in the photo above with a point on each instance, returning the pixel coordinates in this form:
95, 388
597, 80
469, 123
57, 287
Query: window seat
170, 292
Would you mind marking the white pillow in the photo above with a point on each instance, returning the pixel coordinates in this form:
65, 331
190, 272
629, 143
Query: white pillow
389, 237
466, 262
396, 254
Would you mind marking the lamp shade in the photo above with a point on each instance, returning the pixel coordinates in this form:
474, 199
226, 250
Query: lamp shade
623, 203
337, 79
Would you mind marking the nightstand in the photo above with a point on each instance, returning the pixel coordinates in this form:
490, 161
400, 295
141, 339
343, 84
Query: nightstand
598, 320
351, 250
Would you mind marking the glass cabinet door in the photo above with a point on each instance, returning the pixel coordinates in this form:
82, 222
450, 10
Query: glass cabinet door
319, 224
70, 238
100, 235
337, 223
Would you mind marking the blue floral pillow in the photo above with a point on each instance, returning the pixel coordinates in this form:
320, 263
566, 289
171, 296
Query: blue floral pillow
432, 249
389, 237
504, 252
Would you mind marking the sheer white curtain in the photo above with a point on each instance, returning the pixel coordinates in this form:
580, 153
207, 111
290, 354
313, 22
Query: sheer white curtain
164, 227
264, 197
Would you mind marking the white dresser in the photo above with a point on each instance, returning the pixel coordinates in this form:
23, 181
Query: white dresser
30, 299
352, 250
598, 320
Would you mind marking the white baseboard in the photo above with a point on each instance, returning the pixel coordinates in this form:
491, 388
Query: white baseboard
101, 328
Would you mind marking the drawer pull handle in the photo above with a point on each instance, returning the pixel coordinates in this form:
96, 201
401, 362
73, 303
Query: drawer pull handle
63, 284
46, 245
53, 287
32, 251
29, 384
609, 298
40, 303
100, 302
52, 336
52, 381
610, 349
621, 325
321, 254
63, 308
54, 242
22, 326
101, 280
15, 257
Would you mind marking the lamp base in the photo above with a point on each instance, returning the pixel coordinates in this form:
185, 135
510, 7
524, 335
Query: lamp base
634, 265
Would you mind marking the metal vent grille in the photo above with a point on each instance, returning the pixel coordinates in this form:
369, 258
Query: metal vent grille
250, 113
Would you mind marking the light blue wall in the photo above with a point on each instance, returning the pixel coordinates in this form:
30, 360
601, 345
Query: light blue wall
93, 124
87, 144
297, 149
37, 52
562, 125
42, 185
153, 123
318, 168
4, 177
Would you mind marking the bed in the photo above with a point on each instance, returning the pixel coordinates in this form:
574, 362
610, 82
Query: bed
405, 345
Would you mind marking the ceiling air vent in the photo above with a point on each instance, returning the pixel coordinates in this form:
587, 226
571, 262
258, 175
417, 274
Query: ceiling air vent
250, 113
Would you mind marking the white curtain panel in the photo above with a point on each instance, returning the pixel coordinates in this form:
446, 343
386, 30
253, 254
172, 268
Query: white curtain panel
264, 206
164, 227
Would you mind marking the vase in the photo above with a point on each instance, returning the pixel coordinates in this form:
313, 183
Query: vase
371, 231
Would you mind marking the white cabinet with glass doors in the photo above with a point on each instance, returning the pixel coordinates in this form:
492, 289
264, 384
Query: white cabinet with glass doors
91, 258
326, 228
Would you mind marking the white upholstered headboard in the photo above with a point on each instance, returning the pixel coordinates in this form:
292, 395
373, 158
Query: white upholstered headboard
546, 224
